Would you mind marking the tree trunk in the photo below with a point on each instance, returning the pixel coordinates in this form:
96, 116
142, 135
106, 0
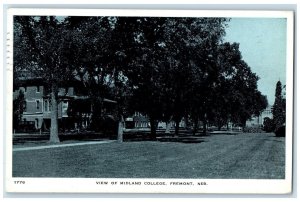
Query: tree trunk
168, 127
177, 121
54, 116
244, 124
195, 126
96, 113
120, 128
153, 128
186, 120
204, 125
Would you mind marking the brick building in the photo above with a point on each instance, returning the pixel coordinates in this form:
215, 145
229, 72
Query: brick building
74, 106
37, 105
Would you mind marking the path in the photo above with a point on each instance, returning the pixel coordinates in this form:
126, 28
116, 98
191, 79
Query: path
61, 145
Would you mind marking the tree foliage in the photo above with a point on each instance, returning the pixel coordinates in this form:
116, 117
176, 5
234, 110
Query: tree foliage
278, 107
19, 105
165, 68
42, 47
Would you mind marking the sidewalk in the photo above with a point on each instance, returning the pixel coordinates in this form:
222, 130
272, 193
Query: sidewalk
62, 145
31, 141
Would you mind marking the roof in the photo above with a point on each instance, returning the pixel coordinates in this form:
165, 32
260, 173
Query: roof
77, 84
35, 81
87, 97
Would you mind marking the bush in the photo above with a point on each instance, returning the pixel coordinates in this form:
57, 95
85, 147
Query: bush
280, 131
106, 124
269, 125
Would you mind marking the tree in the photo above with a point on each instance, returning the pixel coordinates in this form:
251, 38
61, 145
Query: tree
42, 48
204, 72
165, 68
19, 105
227, 58
145, 69
92, 39
268, 125
232, 93
172, 66
278, 110
125, 44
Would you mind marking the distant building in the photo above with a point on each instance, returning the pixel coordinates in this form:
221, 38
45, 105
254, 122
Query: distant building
140, 121
259, 120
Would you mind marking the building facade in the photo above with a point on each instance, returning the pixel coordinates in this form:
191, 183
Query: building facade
37, 102
74, 106
141, 121
259, 120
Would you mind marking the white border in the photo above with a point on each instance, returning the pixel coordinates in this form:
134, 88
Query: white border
149, 13
88, 185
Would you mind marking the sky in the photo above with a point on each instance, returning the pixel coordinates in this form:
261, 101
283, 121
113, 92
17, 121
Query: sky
263, 47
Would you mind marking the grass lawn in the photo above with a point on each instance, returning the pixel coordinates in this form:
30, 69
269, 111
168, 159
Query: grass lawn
241, 156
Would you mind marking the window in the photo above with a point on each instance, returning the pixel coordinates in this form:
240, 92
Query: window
37, 89
37, 104
47, 105
25, 89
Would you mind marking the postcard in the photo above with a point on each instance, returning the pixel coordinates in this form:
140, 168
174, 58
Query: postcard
149, 101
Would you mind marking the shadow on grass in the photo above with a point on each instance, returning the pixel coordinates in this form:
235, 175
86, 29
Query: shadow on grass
187, 140
161, 137
37, 139
224, 133
275, 139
